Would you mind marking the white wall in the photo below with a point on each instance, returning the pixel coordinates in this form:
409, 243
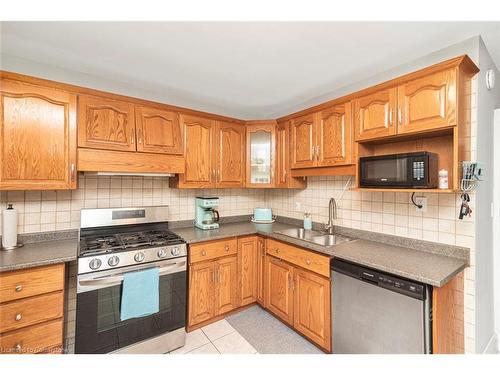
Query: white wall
496, 221
484, 198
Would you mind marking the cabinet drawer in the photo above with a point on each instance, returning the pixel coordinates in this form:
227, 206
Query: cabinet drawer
32, 339
212, 250
300, 257
31, 282
29, 311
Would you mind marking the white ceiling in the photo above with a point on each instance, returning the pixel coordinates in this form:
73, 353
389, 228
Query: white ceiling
246, 70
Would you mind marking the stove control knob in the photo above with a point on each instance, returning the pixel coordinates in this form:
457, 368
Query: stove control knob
95, 263
175, 251
139, 257
162, 253
113, 261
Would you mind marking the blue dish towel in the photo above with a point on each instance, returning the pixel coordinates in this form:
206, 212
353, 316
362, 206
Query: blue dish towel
140, 294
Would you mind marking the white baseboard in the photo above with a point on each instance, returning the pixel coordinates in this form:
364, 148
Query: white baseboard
492, 347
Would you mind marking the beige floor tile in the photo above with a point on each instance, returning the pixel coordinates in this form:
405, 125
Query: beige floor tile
205, 349
194, 340
234, 343
218, 329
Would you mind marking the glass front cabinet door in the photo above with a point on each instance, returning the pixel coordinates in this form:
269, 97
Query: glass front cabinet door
261, 155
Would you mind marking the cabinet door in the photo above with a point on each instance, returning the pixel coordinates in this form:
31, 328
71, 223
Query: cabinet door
198, 152
261, 256
334, 136
279, 294
230, 148
158, 131
226, 285
428, 103
38, 137
374, 115
312, 307
303, 141
247, 248
282, 155
260, 155
105, 124
201, 292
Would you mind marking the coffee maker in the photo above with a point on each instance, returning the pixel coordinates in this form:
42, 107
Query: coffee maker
206, 216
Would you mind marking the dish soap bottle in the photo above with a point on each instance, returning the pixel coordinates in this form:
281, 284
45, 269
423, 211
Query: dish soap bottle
307, 221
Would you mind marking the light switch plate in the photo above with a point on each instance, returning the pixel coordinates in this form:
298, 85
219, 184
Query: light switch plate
298, 206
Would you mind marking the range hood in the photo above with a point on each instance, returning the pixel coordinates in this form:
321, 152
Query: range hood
128, 174
120, 163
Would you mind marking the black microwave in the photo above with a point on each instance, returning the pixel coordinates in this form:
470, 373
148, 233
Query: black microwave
411, 170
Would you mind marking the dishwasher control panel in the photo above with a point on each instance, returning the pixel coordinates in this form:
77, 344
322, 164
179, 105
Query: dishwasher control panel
382, 279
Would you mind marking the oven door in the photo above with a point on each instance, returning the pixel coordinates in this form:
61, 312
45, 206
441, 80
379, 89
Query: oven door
98, 325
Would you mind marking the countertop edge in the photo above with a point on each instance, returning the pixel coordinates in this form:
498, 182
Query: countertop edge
39, 263
276, 236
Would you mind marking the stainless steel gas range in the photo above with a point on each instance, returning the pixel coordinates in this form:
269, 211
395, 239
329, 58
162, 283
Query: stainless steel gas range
112, 243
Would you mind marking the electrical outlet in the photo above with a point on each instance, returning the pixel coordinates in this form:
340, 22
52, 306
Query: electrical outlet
298, 206
421, 201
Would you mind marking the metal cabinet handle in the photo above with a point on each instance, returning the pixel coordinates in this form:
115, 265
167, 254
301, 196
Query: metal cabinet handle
277, 250
390, 117
308, 261
19, 288
72, 171
132, 139
17, 348
18, 317
226, 247
218, 175
399, 115
203, 253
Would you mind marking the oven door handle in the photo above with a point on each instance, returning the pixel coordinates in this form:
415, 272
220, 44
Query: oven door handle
117, 278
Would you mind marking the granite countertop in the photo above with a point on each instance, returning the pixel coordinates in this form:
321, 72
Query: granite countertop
39, 254
427, 267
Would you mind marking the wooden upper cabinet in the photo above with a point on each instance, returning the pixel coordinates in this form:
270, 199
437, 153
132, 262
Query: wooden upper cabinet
428, 103
230, 155
198, 152
278, 292
201, 292
374, 115
312, 307
38, 137
282, 155
158, 131
303, 141
334, 136
260, 160
105, 124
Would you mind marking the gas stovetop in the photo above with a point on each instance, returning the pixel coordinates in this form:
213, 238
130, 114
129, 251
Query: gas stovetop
102, 244
114, 238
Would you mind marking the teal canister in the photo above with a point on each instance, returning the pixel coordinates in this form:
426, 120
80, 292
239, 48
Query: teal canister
307, 221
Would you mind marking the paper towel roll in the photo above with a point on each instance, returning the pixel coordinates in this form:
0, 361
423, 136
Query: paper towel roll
9, 227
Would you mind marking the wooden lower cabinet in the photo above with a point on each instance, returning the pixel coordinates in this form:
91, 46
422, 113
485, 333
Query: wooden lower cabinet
279, 293
261, 257
299, 297
226, 281
213, 280
32, 310
248, 272
201, 292
311, 312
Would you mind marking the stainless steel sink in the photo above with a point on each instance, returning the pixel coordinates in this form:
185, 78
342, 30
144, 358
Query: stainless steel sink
314, 236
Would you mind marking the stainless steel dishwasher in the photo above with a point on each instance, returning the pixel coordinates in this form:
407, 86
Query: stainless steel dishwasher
376, 312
